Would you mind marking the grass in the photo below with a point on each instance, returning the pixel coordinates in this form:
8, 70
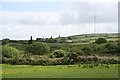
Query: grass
59, 71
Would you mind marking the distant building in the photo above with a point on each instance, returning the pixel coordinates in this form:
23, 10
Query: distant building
69, 41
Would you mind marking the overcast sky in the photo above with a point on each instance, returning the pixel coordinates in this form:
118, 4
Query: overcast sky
20, 20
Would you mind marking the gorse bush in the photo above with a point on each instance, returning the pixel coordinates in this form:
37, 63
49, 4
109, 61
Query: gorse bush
51, 55
38, 48
67, 61
59, 53
9, 52
101, 40
60, 61
72, 55
111, 48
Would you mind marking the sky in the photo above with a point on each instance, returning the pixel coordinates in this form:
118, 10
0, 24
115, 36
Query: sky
20, 19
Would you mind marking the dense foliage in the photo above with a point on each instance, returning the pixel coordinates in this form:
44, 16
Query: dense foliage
54, 51
101, 40
9, 52
59, 53
111, 48
88, 50
38, 48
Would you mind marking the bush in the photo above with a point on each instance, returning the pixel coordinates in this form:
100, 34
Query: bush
111, 48
59, 53
9, 52
5, 41
38, 48
80, 52
88, 50
45, 62
56, 61
74, 56
67, 61
101, 40
51, 55
60, 61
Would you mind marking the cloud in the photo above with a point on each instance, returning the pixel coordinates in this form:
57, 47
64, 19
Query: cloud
29, 18
25, 31
74, 19
104, 13
91, 1
75, 13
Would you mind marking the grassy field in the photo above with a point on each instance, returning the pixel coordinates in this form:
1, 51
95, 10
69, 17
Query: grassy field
59, 71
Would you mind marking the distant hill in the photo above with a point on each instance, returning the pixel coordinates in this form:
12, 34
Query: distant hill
111, 37
82, 39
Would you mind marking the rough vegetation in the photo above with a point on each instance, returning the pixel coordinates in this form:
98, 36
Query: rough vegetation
38, 48
9, 52
62, 50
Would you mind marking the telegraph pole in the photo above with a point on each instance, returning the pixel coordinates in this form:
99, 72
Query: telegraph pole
94, 23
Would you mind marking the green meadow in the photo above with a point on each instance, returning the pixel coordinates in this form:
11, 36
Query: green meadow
59, 71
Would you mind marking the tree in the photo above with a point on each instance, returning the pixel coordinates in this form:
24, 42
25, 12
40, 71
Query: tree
49, 40
38, 48
69, 38
111, 48
5, 41
101, 40
62, 40
9, 52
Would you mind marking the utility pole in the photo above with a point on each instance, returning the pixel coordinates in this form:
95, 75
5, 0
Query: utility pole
94, 23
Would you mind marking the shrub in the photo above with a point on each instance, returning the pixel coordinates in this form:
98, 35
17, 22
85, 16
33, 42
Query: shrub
96, 49
56, 61
51, 55
45, 62
74, 56
101, 40
113, 61
111, 48
95, 58
5, 41
88, 50
5, 60
80, 52
9, 52
38, 48
66, 61
59, 53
